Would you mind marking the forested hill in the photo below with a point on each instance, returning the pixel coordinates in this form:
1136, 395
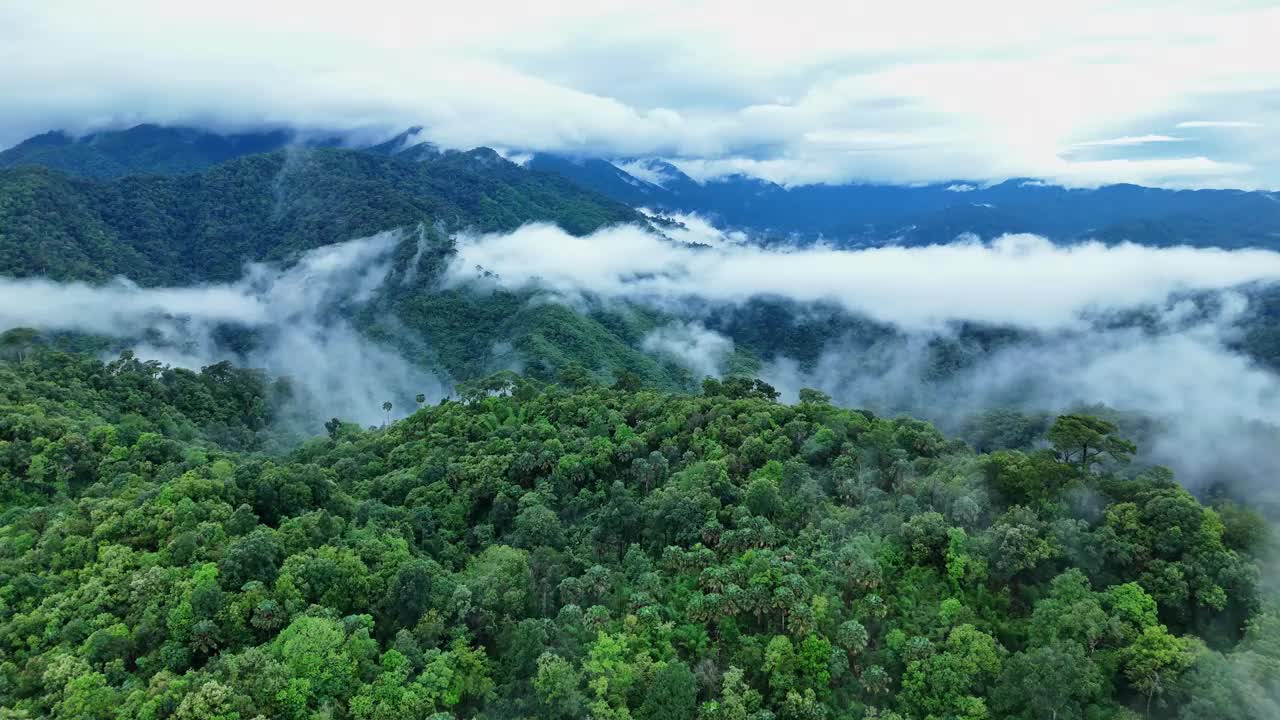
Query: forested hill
141, 150
852, 214
581, 551
167, 230
184, 229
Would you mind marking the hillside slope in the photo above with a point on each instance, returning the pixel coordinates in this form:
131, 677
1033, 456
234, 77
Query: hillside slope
141, 150
854, 214
564, 552
160, 230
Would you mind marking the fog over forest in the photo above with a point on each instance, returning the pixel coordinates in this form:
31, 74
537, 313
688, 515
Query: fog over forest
1138, 329
297, 316
1142, 330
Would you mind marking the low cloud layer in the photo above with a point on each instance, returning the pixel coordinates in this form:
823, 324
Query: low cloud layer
1148, 330
296, 315
1021, 280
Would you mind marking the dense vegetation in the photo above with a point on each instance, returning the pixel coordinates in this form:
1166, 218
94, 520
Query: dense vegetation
179, 229
169, 230
577, 550
851, 214
139, 150
586, 538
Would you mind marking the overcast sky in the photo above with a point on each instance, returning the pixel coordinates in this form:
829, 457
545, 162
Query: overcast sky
1082, 92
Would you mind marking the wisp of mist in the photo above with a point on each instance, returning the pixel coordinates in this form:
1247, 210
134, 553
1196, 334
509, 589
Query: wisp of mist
296, 314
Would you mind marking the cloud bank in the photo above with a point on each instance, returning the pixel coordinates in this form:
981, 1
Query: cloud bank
1021, 280
803, 92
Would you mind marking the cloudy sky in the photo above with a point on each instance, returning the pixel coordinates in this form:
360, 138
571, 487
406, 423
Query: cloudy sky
1167, 93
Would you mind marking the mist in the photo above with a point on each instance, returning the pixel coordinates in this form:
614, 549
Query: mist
1215, 413
297, 316
1151, 331
691, 345
1021, 280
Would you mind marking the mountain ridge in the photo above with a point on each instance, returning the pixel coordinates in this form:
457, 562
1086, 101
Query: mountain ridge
871, 214
850, 214
265, 206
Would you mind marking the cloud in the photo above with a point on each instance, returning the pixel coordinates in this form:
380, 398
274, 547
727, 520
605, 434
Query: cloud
1216, 413
1185, 172
122, 305
646, 170
1131, 140
1020, 280
694, 229
1218, 124
296, 313
800, 93
691, 345
519, 158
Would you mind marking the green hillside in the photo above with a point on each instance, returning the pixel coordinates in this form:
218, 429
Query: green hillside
161, 230
142, 149
544, 552
574, 534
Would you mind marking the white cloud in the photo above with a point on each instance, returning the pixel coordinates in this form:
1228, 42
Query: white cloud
1188, 172
1021, 280
695, 347
646, 170
1218, 124
1216, 413
1130, 140
697, 230
809, 91
519, 158
335, 369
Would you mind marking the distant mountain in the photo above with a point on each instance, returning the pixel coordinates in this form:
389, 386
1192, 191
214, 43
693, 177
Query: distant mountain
605, 178
407, 146
175, 230
850, 215
172, 229
866, 214
144, 149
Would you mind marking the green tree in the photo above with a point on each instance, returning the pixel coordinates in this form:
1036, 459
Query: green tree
1154, 661
672, 694
951, 683
1085, 440
1052, 681
557, 683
